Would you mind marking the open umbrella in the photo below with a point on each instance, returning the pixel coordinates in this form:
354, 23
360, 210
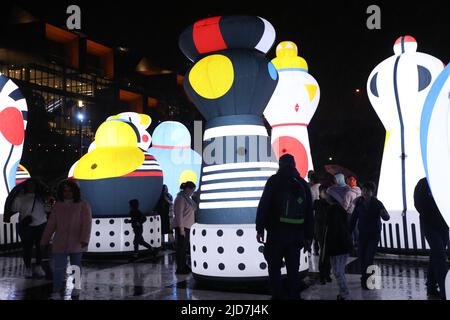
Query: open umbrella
41, 189
335, 169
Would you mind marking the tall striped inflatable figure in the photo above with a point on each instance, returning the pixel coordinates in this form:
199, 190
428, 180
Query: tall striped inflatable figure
231, 83
292, 106
13, 122
435, 141
397, 89
116, 169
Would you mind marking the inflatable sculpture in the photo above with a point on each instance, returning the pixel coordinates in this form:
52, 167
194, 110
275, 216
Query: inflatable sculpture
171, 145
231, 83
116, 169
397, 89
13, 123
435, 141
292, 106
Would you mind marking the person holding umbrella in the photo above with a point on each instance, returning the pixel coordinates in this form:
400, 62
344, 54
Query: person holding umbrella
28, 199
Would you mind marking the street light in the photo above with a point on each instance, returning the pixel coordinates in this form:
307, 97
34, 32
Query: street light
80, 117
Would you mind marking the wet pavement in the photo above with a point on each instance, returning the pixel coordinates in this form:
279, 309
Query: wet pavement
116, 278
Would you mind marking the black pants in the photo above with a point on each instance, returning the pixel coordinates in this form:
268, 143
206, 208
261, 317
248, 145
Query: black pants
31, 237
139, 240
286, 244
367, 248
437, 267
182, 243
324, 263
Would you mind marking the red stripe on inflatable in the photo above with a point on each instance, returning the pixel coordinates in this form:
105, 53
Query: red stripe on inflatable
145, 174
405, 39
171, 147
207, 36
290, 124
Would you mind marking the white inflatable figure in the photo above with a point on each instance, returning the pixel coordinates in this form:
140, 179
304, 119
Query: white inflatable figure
435, 141
13, 122
397, 89
292, 106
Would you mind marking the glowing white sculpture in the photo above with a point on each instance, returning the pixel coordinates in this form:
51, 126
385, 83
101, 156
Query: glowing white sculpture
435, 141
292, 106
13, 122
397, 89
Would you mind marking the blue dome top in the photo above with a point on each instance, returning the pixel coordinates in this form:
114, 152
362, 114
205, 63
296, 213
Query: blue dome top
171, 133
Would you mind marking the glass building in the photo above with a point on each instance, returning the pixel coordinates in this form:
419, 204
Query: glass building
72, 84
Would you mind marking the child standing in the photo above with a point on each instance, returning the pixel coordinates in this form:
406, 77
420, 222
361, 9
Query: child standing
137, 220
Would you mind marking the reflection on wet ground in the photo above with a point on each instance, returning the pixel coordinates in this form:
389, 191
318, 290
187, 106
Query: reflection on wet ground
115, 278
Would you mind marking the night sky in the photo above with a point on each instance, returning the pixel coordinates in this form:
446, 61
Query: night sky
332, 37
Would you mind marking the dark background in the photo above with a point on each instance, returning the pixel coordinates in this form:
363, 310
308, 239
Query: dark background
332, 37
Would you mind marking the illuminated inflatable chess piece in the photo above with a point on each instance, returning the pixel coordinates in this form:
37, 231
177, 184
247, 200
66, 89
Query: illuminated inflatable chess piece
13, 123
231, 83
435, 143
172, 147
292, 106
114, 171
397, 89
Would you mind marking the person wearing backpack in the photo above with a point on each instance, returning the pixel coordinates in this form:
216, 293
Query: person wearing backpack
285, 211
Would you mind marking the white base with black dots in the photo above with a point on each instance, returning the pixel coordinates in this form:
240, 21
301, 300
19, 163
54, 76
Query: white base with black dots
110, 235
230, 251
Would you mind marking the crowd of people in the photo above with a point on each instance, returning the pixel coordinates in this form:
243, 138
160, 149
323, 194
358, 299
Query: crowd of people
58, 225
331, 219
341, 219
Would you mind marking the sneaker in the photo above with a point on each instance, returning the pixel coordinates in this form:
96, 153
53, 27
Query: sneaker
328, 279
28, 273
39, 272
322, 281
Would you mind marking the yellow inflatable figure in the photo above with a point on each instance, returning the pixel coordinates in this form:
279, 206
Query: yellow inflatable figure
116, 153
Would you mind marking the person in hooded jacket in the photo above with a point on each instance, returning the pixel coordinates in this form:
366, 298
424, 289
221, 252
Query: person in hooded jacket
285, 237
349, 203
353, 193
